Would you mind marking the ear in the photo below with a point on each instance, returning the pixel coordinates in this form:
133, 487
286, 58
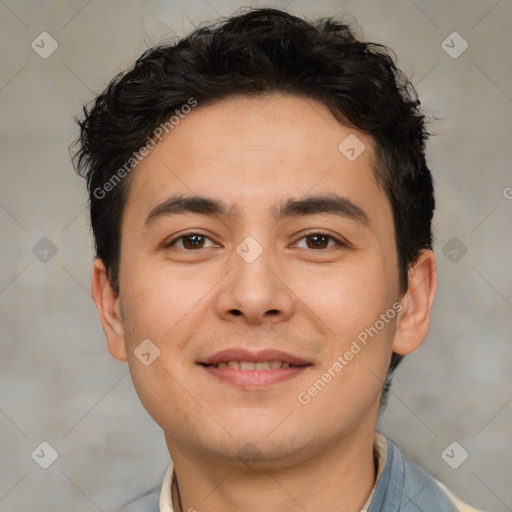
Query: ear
107, 303
414, 318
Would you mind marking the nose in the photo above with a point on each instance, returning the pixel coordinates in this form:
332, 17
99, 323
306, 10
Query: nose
254, 292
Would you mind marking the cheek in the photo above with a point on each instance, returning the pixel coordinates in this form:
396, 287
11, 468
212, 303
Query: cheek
348, 299
158, 302
173, 403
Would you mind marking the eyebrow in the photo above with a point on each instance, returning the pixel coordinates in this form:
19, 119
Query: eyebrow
311, 205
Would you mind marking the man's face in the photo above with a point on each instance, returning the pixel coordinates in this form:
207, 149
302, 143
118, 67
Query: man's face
205, 287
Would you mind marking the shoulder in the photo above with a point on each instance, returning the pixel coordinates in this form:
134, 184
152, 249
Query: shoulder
405, 487
422, 491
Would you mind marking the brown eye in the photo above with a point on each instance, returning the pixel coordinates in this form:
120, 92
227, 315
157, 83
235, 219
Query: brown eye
189, 241
320, 241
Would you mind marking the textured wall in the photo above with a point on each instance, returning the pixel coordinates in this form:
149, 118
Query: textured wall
58, 383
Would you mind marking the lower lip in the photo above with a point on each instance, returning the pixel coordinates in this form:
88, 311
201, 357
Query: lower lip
254, 379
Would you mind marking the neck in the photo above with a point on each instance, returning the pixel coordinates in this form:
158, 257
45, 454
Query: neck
338, 478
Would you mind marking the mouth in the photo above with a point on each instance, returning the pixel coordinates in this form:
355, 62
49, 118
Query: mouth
249, 365
254, 370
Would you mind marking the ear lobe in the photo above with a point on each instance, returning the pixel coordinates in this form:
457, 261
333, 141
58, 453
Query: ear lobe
107, 303
414, 318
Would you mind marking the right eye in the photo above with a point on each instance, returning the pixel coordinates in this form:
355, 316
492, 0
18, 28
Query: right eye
189, 241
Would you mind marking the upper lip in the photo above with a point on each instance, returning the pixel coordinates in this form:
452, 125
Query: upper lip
240, 354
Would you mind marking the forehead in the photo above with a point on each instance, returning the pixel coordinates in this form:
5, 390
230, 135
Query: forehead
250, 150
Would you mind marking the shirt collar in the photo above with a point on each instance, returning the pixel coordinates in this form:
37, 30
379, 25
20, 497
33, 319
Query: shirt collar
168, 494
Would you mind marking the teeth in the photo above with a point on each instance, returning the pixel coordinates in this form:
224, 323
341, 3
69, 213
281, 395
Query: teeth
249, 365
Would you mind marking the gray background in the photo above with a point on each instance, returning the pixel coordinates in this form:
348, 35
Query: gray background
58, 382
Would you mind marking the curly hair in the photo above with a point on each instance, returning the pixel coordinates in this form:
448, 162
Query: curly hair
254, 53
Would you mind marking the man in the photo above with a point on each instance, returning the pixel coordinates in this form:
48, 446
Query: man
262, 207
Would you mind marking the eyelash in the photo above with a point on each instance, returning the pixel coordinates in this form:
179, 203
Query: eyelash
320, 233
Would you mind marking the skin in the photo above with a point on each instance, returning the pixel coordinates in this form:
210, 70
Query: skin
312, 302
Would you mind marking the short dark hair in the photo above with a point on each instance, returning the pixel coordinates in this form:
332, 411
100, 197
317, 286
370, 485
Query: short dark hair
254, 53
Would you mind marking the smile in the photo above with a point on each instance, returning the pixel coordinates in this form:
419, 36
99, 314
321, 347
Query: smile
249, 365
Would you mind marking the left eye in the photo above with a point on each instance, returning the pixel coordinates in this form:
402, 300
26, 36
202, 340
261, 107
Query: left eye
319, 241
194, 241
